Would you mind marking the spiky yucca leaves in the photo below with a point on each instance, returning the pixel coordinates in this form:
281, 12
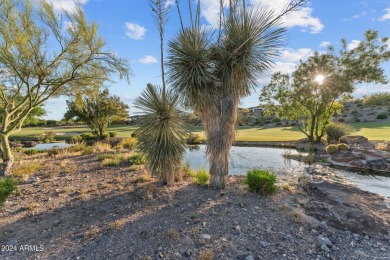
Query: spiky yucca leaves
162, 133
213, 76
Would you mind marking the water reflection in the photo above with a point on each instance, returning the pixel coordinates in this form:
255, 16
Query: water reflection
243, 159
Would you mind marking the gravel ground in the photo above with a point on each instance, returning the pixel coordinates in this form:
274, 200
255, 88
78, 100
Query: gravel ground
99, 212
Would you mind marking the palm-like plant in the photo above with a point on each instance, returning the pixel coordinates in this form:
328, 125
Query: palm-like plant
212, 76
162, 132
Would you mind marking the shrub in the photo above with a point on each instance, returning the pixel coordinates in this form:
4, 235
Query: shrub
261, 181
112, 134
382, 116
336, 130
31, 152
128, 143
105, 136
276, 119
187, 171
332, 149
378, 99
88, 136
137, 159
76, 139
201, 177
341, 120
342, 147
111, 161
7, 187
193, 139
49, 136
53, 151
26, 169
101, 147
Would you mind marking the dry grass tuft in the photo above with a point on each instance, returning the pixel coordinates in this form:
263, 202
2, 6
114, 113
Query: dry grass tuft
173, 234
26, 169
117, 224
32, 206
100, 147
206, 254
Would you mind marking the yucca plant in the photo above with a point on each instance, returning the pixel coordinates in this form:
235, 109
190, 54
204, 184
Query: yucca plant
162, 133
211, 74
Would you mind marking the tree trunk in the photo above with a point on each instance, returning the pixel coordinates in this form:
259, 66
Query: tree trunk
7, 156
220, 130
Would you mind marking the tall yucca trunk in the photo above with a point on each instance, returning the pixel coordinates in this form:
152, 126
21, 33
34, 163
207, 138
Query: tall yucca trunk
220, 122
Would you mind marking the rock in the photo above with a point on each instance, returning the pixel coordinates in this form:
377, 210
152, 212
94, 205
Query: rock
249, 257
323, 225
314, 232
321, 240
33, 179
264, 244
325, 248
204, 236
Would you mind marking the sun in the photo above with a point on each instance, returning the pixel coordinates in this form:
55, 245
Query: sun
319, 79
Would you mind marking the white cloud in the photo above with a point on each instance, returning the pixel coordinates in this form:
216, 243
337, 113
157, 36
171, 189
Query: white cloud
324, 44
291, 55
386, 16
169, 3
353, 44
135, 31
65, 5
300, 18
284, 67
148, 59
210, 11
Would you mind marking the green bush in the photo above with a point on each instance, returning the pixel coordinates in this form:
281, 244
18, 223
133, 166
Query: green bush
49, 136
276, 119
105, 136
137, 159
332, 149
261, 181
88, 136
76, 139
31, 152
7, 187
201, 177
336, 130
112, 134
379, 99
193, 139
382, 116
187, 171
342, 147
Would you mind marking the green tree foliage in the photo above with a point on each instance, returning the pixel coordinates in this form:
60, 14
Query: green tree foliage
212, 74
39, 59
310, 97
97, 110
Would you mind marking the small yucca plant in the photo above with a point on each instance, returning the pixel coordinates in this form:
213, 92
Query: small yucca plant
162, 133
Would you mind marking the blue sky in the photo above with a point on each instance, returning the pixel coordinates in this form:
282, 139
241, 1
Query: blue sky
129, 30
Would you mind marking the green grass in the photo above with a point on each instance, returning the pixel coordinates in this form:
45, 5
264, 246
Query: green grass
371, 130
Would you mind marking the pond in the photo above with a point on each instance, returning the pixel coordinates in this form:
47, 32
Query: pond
246, 158
49, 146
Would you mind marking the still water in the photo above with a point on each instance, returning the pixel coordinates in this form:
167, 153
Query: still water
246, 158
49, 146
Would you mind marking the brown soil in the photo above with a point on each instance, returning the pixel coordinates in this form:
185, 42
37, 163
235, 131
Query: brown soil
95, 212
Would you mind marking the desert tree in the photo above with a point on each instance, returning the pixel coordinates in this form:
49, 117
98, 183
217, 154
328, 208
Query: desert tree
212, 74
98, 110
310, 97
40, 59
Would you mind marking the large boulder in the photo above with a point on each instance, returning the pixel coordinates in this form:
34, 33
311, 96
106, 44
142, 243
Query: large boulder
356, 142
